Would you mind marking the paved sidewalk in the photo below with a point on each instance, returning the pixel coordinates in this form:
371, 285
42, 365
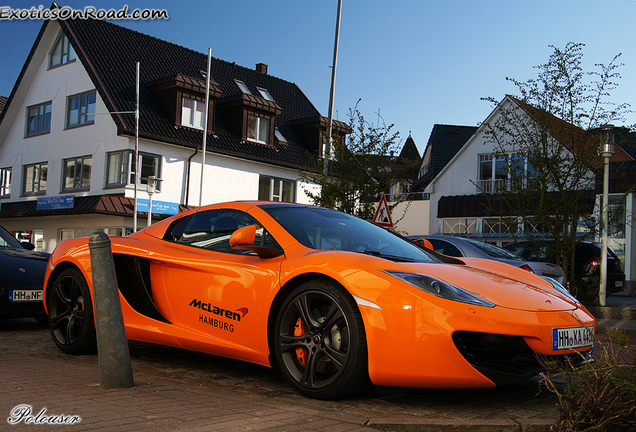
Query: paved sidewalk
168, 397
68, 390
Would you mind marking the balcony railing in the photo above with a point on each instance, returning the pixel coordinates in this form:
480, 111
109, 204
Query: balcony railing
492, 186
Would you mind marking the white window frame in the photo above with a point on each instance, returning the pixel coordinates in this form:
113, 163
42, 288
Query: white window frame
5, 182
194, 115
266, 95
258, 130
241, 85
273, 184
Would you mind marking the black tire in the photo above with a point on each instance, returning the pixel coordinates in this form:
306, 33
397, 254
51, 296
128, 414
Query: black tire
70, 310
320, 319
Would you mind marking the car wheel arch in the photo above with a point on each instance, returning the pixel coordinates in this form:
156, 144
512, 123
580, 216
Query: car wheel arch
277, 303
59, 268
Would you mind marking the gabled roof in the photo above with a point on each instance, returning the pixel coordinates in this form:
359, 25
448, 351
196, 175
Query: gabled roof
574, 138
409, 150
443, 144
627, 142
109, 54
3, 102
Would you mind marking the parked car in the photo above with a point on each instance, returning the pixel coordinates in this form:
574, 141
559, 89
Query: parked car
21, 278
463, 247
334, 301
587, 260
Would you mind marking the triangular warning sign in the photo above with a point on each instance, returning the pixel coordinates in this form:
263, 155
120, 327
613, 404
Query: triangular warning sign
382, 214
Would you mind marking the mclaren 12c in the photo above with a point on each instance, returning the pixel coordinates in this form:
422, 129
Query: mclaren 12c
337, 303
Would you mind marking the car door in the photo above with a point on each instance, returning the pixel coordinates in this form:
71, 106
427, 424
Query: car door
216, 297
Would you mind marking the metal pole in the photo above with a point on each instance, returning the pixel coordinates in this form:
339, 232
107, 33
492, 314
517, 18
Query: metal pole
602, 293
136, 150
205, 124
327, 153
115, 370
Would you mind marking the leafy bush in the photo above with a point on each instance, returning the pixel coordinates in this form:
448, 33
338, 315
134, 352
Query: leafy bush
600, 396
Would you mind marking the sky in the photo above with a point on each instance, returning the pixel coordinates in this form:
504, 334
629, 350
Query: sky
415, 62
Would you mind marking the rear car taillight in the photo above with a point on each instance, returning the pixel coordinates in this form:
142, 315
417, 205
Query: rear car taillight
526, 267
595, 262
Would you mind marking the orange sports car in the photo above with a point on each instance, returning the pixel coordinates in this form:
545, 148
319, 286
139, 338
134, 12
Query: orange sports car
335, 302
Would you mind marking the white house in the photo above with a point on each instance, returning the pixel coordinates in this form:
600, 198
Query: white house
459, 168
67, 133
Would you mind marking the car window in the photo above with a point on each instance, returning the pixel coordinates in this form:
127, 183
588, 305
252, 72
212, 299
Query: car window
324, 229
493, 251
7, 240
212, 229
446, 248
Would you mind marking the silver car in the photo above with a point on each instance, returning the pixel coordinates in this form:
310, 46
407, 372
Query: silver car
463, 247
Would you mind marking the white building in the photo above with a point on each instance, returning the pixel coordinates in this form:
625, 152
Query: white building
67, 133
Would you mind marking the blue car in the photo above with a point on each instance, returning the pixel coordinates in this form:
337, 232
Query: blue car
21, 278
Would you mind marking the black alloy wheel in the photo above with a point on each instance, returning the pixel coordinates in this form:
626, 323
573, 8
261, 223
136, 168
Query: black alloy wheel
70, 310
320, 341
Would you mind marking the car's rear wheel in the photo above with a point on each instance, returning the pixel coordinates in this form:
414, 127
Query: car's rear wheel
71, 313
320, 341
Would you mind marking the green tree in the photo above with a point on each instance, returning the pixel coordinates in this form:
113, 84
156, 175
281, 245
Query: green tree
550, 154
359, 168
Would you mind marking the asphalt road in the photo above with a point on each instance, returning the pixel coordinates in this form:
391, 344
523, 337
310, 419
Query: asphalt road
526, 403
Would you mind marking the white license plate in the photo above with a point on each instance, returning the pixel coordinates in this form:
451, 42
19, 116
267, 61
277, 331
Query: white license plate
572, 337
25, 295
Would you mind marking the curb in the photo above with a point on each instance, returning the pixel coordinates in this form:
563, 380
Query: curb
463, 425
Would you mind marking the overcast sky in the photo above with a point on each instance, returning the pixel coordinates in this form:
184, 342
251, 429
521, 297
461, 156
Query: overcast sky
418, 62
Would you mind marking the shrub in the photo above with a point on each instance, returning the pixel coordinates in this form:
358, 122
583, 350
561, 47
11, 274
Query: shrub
599, 396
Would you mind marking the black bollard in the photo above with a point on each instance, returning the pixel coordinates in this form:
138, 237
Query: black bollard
115, 370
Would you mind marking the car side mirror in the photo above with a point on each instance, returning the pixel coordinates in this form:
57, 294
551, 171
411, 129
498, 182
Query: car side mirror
244, 238
28, 245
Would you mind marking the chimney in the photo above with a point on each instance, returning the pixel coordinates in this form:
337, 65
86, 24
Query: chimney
261, 68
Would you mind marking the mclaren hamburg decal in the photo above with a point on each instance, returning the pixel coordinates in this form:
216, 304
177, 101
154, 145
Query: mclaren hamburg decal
226, 313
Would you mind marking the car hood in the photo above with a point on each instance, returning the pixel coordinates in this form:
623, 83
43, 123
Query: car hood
25, 254
503, 285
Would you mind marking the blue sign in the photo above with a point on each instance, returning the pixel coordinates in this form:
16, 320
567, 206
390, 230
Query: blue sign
55, 203
158, 207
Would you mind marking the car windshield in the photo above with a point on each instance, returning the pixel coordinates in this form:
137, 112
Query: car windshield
324, 229
7, 240
494, 251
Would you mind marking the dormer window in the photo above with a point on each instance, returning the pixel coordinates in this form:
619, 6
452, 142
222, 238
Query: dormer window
62, 53
265, 94
193, 113
241, 85
258, 129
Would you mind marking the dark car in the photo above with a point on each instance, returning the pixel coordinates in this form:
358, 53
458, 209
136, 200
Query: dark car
21, 278
587, 260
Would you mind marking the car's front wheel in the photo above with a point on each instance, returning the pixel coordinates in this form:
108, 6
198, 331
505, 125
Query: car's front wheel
320, 341
70, 310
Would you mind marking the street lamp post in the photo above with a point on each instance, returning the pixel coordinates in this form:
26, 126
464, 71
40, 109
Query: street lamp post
606, 151
151, 189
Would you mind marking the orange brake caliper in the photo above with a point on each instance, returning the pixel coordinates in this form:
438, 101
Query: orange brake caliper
299, 330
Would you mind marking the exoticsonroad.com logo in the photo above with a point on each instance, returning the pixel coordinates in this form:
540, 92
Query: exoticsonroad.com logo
89, 12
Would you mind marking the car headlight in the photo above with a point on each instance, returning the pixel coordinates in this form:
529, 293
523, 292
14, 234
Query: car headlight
439, 288
563, 290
